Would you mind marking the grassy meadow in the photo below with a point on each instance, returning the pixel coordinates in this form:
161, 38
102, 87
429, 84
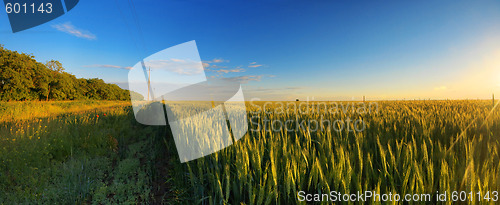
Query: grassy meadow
96, 153
90, 152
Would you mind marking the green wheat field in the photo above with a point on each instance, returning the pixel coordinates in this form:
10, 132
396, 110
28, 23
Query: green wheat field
102, 155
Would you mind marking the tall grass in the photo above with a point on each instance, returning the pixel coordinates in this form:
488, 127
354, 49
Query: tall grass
405, 149
83, 152
26, 110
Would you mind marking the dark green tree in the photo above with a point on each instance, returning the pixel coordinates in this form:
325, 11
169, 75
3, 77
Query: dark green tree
23, 78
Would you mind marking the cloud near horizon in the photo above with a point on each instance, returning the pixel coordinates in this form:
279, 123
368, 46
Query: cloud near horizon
245, 79
107, 66
440, 88
260, 89
69, 28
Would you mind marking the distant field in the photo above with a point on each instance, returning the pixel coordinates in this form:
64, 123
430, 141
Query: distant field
13, 111
87, 152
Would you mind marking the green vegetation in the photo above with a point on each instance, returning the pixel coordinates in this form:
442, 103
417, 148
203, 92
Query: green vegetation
28, 110
406, 148
96, 156
23, 78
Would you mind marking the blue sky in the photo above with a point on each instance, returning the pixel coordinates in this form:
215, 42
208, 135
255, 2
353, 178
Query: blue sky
326, 50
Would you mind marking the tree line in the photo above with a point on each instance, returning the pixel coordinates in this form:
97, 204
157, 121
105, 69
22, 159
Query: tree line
23, 78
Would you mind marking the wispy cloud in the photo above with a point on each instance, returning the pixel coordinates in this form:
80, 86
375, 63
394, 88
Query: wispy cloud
217, 60
254, 65
179, 66
107, 66
218, 66
236, 70
220, 70
245, 79
209, 64
69, 28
